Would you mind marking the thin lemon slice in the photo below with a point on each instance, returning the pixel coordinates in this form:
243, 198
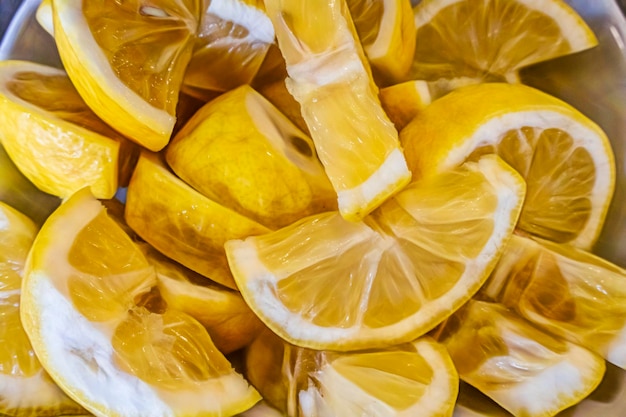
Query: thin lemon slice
565, 158
25, 388
329, 283
181, 223
527, 371
113, 345
127, 60
492, 40
386, 30
232, 42
52, 136
222, 311
566, 291
411, 379
243, 153
330, 78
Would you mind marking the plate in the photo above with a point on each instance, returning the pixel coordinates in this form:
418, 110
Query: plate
594, 81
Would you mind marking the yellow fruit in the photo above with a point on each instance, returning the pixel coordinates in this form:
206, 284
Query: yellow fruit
276, 93
53, 137
43, 15
231, 45
241, 152
25, 388
330, 78
402, 101
328, 283
127, 60
565, 291
417, 378
386, 29
565, 158
493, 39
223, 312
113, 345
181, 223
528, 372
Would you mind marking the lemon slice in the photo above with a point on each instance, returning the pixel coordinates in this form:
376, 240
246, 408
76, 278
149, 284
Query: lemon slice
403, 101
113, 346
416, 378
386, 30
328, 283
232, 42
566, 291
181, 223
477, 39
527, 371
565, 158
241, 152
25, 388
223, 312
330, 78
53, 137
128, 61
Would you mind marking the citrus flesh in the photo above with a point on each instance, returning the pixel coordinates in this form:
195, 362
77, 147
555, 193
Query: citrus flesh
53, 137
243, 153
328, 283
403, 380
402, 101
25, 388
492, 40
127, 60
565, 291
565, 158
525, 370
180, 222
331, 79
114, 346
386, 30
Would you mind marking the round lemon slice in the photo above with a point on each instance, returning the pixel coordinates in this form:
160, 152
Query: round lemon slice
328, 283
492, 40
416, 378
565, 158
25, 387
113, 345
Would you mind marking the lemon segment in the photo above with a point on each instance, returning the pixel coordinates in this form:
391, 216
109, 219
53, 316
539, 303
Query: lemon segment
133, 86
182, 223
25, 387
52, 136
141, 359
330, 78
395, 381
398, 273
241, 152
565, 158
527, 371
402, 101
476, 39
565, 291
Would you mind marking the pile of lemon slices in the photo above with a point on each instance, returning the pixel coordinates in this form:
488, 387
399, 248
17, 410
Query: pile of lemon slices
302, 208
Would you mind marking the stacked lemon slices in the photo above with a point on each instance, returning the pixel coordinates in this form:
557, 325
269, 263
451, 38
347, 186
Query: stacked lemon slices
298, 208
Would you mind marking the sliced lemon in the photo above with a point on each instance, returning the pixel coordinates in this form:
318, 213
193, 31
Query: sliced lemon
53, 137
493, 39
386, 30
416, 378
328, 283
330, 78
402, 101
277, 93
232, 43
527, 371
565, 158
566, 291
243, 153
25, 388
127, 60
222, 311
181, 223
113, 346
